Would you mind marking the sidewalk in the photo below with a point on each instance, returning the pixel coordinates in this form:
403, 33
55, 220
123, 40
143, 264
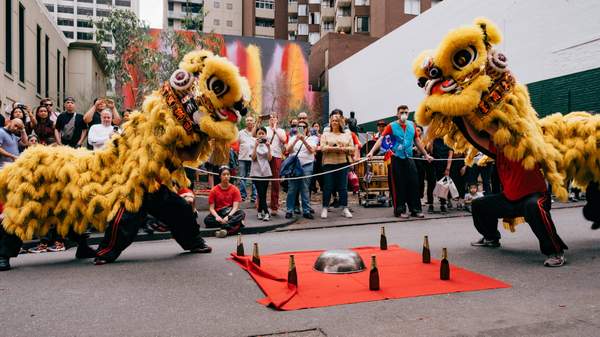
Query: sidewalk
361, 216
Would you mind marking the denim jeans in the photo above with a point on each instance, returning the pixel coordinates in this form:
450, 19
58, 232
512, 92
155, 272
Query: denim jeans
299, 186
335, 181
245, 172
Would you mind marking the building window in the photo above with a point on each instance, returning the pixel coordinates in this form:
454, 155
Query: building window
314, 1
216, 22
85, 36
170, 22
84, 24
86, 1
229, 6
266, 4
303, 29
302, 11
47, 65
191, 8
50, 8
229, 23
38, 60
314, 37
314, 18
217, 4
85, 11
292, 36
362, 24
8, 37
65, 9
412, 7
293, 19
102, 12
361, 2
21, 43
435, 2
104, 2
65, 22
68, 34
58, 75
123, 3
170, 5
263, 22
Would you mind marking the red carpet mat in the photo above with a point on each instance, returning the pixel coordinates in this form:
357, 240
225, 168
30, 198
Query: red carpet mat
401, 274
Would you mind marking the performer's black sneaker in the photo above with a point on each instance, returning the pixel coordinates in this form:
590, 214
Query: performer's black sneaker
486, 243
98, 261
203, 249
85, 252
4, 263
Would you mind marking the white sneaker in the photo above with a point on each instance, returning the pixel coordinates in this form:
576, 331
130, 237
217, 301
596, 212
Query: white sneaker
221, 233
324, 213
260, 215
267, 217
346, 212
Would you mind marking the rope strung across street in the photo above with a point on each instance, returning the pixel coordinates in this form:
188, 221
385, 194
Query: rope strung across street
308, 176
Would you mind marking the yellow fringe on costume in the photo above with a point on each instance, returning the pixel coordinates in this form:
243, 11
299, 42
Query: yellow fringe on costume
565, 147
77, 188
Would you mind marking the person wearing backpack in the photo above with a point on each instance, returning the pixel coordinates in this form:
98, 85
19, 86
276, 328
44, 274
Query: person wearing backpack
70, 129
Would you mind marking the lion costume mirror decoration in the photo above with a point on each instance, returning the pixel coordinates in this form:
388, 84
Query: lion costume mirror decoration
76, 188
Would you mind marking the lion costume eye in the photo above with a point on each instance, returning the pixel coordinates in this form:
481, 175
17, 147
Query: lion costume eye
464, 57
217, 86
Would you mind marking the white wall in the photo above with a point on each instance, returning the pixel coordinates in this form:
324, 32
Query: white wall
542, 39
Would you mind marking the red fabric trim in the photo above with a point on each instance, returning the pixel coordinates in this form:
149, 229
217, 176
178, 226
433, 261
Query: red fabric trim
548, 223
113, 235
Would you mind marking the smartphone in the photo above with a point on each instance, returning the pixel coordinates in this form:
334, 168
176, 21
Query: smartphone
301, 130
265, 117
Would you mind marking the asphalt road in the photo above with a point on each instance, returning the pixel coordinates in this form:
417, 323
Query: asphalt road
155, 290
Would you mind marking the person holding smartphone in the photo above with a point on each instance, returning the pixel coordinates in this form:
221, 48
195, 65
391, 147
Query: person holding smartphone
304, 146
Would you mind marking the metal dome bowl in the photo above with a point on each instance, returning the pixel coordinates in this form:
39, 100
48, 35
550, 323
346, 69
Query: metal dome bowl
339, 261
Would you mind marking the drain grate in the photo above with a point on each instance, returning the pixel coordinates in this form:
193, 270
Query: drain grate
316, 332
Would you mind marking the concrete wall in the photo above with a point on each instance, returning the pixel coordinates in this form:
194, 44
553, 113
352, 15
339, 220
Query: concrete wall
11, 88
542, 40
86, 78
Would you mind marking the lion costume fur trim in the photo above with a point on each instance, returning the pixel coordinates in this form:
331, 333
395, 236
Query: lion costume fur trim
76, 188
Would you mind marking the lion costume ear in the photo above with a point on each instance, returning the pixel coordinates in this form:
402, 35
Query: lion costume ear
490, 32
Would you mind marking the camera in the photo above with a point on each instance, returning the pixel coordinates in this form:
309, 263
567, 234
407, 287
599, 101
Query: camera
21, 106
262, 140
115, 128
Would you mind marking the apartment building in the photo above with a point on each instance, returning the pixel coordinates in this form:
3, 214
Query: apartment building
261, 18
39, 61
76, 18
309, 20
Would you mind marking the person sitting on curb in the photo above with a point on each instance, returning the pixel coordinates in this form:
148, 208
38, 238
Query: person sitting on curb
224, 202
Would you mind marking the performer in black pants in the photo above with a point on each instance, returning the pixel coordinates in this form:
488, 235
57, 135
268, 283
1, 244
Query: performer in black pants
167, 207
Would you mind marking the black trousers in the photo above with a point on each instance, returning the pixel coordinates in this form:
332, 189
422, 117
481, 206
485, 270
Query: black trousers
404, 185
10, 244
535, 208
426, 172
262, 187
167, 207
233, 225
459, 180
591, 210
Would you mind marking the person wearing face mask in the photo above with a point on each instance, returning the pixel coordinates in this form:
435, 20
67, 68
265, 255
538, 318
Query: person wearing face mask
402, 174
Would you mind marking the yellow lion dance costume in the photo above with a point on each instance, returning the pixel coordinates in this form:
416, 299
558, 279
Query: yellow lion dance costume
467, 81
75, 188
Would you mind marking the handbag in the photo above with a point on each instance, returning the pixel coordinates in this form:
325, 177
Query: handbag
291, 166
353, 181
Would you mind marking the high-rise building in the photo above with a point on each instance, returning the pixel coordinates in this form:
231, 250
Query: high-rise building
76, 18
309, 20
262, 18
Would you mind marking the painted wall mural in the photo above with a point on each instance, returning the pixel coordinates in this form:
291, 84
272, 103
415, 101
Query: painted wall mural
277, 71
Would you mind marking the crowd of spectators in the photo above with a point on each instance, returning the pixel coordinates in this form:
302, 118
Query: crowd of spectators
42, 125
